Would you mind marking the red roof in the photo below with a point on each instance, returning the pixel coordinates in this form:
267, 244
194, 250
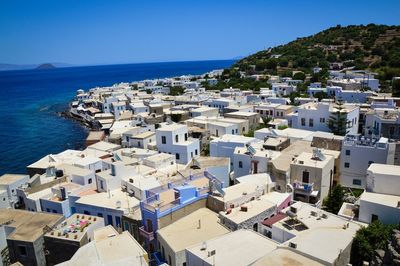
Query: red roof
274, 219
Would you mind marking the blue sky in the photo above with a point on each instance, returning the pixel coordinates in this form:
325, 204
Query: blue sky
107, 32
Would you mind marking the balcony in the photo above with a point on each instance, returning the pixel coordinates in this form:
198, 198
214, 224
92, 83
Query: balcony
305, 188
301, 186
147, 235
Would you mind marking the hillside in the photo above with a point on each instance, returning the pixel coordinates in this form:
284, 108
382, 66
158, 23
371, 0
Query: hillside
373, 47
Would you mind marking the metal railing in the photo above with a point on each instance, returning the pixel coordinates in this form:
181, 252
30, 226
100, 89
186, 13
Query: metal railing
147, 235
303, 186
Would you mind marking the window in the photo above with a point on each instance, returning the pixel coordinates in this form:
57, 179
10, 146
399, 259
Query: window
216, 132
163, 140
186, 136
101, 184
118, 221
177, 156
240, 164
100, 214
236, 130
176, 138
346, 165
357, 182
374, 218
303, 122
86, 212
22, 251
90, 181
195, 151
348, 152
169, 260
311, 122
233, 132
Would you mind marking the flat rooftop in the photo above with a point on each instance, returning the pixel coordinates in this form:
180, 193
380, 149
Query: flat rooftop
144, 135
209, 161
74, 227
311, 231
258, 179
28, 225
384, 169
286, 257
240, 113
7, 179
113, 249
95, 135
305, 158
254, 208
378, 198
192, 229
237, 191
109, 200
282, 162
242, 247
104, 146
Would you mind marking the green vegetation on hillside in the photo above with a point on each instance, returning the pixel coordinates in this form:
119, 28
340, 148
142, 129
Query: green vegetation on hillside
372, 47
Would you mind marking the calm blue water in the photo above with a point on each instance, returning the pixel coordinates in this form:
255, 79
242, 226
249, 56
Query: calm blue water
30, 99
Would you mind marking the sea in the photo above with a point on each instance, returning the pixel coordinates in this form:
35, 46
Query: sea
31, 100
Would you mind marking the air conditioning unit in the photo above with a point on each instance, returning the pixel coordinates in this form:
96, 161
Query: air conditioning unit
292, 245
314, 213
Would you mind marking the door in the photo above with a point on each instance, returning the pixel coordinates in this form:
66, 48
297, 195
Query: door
149, 225
255, 167
109, 219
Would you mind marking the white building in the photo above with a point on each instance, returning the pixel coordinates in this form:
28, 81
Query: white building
145, 140
310, 231
110, 248
312, 176
225, 145
173, 139
8, 188
250, 160
358, 153
193, 229
283, 89
204, 111
315, 116
381, 200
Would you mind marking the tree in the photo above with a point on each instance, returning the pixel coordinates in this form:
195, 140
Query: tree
174, 91
266, 120
396, 88
334, 201
320, 95
368, 239
337, 122
299, 75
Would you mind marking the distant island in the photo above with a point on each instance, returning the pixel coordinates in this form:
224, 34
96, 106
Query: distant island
52, 65
46, 66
